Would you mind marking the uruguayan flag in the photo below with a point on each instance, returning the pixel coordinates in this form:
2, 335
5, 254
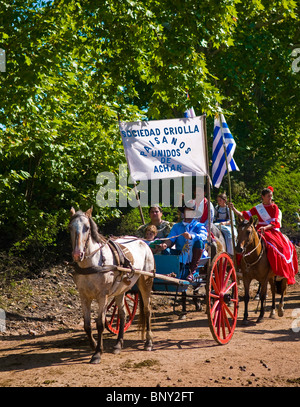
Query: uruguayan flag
190, 113
218, 157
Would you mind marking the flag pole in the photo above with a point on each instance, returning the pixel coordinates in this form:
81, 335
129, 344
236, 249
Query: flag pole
208, 191
139, 203
135, 191
229, 190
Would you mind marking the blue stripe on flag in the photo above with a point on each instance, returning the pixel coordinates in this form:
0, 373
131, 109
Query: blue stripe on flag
218, 156
218, 171
216, 129
233, 165
217, 149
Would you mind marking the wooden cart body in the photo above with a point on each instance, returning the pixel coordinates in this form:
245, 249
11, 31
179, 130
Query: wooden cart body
221, 292
218, 275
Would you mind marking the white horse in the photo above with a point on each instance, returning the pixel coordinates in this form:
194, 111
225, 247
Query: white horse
97, 278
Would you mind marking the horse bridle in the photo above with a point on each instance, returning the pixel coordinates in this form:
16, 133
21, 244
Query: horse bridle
101, 245
249, 265
125, 270
113, 246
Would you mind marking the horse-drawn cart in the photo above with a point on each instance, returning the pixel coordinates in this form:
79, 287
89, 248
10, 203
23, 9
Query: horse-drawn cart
214, 286
99, 275
218, 276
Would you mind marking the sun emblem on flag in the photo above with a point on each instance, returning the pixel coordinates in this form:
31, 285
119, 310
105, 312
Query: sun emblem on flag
186, 247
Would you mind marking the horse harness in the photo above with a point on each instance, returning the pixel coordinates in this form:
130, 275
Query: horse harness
249, 265
124, 266
124, 259
122, 255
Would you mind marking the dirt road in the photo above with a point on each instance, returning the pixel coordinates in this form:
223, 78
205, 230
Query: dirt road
51, 351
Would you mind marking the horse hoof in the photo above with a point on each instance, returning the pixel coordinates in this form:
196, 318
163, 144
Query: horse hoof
280, 312
259, 320
245, 322
118, 347
148, 346
95, 359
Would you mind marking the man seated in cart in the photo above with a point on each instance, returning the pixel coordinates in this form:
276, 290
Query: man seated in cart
156, 218
189, 237
201, 205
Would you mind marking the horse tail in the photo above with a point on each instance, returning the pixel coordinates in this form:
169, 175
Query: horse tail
220, 247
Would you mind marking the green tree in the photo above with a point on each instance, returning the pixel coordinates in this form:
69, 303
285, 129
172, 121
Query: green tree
74, 65
261, 90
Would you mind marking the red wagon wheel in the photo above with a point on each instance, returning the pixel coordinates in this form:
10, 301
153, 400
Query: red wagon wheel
112, 320
222, 298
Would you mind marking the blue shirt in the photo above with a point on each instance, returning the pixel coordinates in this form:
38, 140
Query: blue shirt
196, 229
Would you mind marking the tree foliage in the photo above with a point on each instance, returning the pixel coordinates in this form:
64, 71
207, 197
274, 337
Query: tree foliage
260, 87
73, 66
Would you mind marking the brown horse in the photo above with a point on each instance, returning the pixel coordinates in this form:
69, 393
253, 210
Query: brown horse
255, 265
219, 244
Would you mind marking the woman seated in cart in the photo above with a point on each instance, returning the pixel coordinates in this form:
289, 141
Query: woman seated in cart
281, 253
189, 237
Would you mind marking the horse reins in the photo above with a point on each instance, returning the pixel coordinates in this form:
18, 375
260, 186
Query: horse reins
124, 264
249, 265
88, 238
106, 268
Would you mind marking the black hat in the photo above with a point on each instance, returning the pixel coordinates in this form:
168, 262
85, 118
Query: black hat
189, 206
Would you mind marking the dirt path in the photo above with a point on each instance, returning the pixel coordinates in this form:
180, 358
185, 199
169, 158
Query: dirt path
52, 351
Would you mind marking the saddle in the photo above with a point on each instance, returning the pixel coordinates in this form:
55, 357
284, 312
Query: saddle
122, 254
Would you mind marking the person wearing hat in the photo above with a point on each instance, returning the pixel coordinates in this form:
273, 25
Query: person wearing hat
281, 253
201, 205
189, 237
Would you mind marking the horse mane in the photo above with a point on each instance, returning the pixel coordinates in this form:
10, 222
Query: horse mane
245, 222
96, 236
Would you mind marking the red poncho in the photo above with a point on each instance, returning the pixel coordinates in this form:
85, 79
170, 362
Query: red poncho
281, 253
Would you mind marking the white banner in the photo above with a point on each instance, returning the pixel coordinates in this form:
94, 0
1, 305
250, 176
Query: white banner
164, 148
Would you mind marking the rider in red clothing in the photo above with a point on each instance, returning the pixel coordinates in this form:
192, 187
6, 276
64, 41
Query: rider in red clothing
281, 253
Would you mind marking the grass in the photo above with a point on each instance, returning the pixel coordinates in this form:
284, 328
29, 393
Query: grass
294, 381
17, 292
129, 364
